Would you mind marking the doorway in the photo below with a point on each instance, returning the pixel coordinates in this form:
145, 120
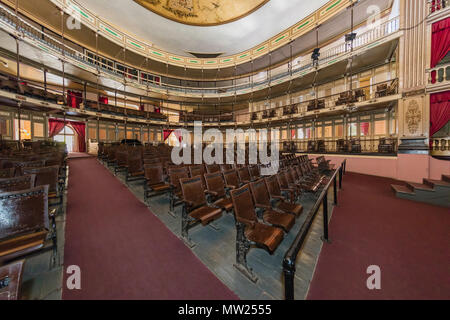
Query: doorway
68, 136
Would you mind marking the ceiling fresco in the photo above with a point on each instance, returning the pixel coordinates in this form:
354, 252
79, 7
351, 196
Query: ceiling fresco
202, 12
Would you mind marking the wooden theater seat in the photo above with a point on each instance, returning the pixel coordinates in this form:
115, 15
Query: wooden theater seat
195, 209
155, 183
231, 179
274, 188
216, 189
175, 174
251, 231
11, 280
244, 175
285, 187
198, 171
212, 168
24, 225
255, 172
135, 167
261, 199
17, 183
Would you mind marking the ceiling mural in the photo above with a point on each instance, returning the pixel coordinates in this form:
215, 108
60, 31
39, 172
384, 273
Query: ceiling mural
202, 12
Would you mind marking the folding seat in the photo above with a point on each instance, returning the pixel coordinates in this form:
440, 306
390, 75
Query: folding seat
7, 173
244, 175
195, 209
198, 171
17, 183
135, 167
212, 168
122, 160
155, 183
255, 172
250, 231
24, 225
285, 187
11, 280
216, 189
261, 198
274, 188
231, 179
175, 174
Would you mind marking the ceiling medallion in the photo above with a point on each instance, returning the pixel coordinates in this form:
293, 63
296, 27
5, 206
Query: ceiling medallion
202, 12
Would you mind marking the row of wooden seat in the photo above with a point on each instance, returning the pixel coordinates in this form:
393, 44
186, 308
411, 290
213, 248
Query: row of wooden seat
31, 193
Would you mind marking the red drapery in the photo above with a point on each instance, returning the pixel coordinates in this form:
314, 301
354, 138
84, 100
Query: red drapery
74, 99
167, 133
439, 111
103, 100
179, 135
80, 129
440, 43
55, 126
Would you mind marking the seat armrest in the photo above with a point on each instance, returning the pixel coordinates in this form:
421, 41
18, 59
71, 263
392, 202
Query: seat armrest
279, 197
230, 187
213, 193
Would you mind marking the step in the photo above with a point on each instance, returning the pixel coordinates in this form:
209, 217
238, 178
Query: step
445, 178
419, 186
402, 189
439, 183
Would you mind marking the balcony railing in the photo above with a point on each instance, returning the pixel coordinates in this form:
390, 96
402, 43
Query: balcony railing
386, 145
439, 74
440, 147
437, 5
140, 77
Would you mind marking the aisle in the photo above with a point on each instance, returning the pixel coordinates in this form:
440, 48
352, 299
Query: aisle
123, 250
407, 240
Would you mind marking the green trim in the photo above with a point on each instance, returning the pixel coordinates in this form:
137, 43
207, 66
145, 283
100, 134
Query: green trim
193, 61
263, 47
112, 32
333, 5
301, 26
210, 62
243, 56
226, 60
175, 58
280, 38
136, 45
157, 53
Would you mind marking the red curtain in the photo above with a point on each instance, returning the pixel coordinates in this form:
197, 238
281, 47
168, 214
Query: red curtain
179, 135
439, 111
54, 127
103, 100
74, 99
80, 129
167, 133
440, 43
157, 110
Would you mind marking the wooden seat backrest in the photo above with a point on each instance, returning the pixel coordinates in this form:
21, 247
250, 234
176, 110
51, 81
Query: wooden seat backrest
17, 183
190, 188
244, 209
45, 176
23, 212
175, 174
244, 174
10, 280
154, 173
231, 178
214, 182
260, 193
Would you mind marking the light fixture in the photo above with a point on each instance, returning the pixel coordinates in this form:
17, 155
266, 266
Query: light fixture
315, 57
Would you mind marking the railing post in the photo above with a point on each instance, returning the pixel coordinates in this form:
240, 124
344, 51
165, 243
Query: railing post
340, 177
325, 219
335, 191
289, 273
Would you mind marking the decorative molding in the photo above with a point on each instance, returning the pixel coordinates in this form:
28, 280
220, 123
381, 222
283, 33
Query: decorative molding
413, 117
133, 43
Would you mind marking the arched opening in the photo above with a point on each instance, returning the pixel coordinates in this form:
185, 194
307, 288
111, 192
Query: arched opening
69, 137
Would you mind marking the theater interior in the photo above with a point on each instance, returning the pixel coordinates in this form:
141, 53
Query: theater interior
224, 150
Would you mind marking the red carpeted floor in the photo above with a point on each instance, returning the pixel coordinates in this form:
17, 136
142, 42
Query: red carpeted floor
408, 240
123, 250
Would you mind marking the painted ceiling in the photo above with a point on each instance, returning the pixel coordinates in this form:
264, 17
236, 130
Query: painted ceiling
202, 12
230, 38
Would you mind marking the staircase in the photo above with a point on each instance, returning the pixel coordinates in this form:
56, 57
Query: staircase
436, 192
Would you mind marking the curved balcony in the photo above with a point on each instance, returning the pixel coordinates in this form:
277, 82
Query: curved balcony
143, 80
